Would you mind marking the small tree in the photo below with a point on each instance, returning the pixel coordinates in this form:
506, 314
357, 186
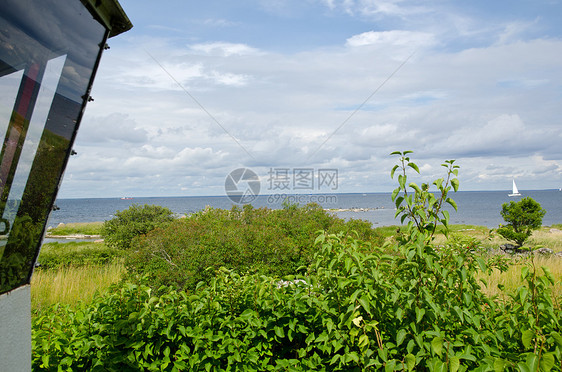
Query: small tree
522, 218
137, 220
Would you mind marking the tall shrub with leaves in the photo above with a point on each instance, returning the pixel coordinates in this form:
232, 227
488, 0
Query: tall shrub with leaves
137, 220
248, 239
415, 203
522, 218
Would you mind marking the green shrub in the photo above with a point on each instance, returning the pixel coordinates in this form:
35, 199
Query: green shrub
522, 217
419, 310
135, 221
273, 242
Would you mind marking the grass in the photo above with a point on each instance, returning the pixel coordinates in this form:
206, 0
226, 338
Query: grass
511, 279
72, 284
546, 236
78, 228
74, 253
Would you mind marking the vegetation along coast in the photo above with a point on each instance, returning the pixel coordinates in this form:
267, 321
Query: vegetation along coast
298, 288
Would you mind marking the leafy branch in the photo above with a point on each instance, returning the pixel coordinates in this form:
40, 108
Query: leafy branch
417, 203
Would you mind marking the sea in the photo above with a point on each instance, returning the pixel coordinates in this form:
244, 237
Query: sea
474, 207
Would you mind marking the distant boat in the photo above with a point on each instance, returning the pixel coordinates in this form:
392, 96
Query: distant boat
126, 198
514, 192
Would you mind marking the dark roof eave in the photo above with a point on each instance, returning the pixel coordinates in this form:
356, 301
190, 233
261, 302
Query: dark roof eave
110, 14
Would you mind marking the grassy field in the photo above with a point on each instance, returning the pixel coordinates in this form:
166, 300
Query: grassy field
83, 228
546, 236
72, 284
511, 279
69, 283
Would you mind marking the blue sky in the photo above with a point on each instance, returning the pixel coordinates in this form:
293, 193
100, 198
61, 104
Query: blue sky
198, 89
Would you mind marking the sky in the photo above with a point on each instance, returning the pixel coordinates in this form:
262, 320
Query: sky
196, 90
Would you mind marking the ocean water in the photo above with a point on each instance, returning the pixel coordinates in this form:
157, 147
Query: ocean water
474, 207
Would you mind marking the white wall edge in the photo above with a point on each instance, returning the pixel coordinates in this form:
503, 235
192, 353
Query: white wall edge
15, 330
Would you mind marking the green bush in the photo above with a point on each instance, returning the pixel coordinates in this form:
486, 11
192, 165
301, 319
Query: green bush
522, 217
135, 221
421, 309
267, 241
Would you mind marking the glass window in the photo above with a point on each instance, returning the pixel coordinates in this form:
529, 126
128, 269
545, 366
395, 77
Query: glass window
49, 51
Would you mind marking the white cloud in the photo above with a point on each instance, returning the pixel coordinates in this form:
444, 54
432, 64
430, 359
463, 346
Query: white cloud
391, 38
224, 49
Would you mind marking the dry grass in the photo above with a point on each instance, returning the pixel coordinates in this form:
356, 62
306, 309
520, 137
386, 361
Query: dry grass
72, 284
511, 279
546, 236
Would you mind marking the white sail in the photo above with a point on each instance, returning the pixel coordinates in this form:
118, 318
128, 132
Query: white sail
514, 192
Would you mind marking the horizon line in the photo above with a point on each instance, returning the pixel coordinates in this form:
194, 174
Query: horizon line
129, 197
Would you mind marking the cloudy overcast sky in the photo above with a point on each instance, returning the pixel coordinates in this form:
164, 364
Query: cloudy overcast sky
197, 89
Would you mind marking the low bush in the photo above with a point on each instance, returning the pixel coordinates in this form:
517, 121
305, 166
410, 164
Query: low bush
352, 311
135, 221
248, 239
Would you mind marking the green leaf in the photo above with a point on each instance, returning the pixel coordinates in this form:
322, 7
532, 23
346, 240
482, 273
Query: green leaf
547, 362
394, 170
446, 217
419, 314
390, 365
364, 301
454, 364
410, 361
279, 332
363, 340
437, 345
396, 153
353, 356
557, 338
402, 181
399, 201
533, 362
524, 272
455, 182
548, 274
414, 167
452, 203
45, 360
499, 365
400, 337
527, 337
335, 358
394, 193
415, 187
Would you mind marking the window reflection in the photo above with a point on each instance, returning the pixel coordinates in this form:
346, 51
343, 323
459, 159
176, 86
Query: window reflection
48, 54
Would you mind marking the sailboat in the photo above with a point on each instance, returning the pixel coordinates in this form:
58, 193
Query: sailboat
514, 192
